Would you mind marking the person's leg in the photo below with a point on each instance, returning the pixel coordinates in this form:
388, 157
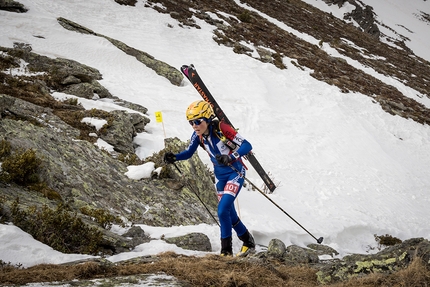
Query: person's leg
237, 224
228, 218
224, 217
224, 209
234, 185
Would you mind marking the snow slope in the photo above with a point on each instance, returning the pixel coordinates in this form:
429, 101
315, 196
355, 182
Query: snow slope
347, 170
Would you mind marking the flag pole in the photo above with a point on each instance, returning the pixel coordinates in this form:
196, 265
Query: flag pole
159, 119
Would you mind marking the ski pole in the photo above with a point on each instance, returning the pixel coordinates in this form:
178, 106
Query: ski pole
192, 189
319, 240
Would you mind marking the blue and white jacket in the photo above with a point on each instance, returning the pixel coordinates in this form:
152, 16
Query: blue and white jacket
214, 146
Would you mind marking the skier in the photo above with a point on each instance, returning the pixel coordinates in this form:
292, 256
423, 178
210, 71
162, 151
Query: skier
227, 181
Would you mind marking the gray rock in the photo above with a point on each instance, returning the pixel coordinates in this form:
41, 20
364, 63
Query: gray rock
323, 249
135, 231
192, 241
89, 90
12, 6
298, 255
126, 2
120, 132
276, 249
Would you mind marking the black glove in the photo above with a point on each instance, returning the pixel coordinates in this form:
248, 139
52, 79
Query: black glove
169, 157
223, 159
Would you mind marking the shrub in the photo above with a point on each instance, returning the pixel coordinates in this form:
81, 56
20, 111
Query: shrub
4, 148
44, 189
245, 16
102, 217
130, 159
7, 266
59, 228
21, 167
387, 240
3, 216
72, 101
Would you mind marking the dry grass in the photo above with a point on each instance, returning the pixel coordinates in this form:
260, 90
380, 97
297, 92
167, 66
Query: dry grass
211, 270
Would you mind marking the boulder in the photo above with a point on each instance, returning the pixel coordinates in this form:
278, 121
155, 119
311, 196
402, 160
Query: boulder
12, 6
192, 241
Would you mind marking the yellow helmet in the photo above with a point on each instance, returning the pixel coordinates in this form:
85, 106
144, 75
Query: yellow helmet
199, 109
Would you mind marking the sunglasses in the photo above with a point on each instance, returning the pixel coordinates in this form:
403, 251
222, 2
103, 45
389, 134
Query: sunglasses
196, 122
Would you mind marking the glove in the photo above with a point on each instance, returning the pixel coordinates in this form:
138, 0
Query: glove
169, 157
223, 159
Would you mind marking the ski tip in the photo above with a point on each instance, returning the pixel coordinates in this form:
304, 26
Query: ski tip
184, 70
320, 240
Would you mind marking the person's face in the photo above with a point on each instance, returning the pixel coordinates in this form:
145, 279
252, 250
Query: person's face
199, 126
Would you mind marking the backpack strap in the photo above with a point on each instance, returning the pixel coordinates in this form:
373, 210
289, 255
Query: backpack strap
214, 126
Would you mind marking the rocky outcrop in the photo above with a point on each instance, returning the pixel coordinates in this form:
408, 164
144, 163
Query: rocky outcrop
126, 2
81, 173
336, 2
28, 112
387, 261
365, 18
78, 171
121, 130
84, 175
329, 271
161, 68
363, 15
62, 75
12, 6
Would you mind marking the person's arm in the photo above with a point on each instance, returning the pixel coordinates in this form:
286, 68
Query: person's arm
244, 149
191, 149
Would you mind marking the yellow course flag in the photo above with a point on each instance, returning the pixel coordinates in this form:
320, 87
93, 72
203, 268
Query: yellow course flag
158, 117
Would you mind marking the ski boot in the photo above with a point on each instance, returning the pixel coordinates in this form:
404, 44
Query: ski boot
226, 246
248, 244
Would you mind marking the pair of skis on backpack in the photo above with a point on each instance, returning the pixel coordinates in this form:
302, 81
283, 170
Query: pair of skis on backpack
191, 73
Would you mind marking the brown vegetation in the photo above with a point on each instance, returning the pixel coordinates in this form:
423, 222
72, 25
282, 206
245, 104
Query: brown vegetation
211, 270
254, 29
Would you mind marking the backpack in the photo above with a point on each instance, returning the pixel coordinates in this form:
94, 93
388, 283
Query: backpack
220, 129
